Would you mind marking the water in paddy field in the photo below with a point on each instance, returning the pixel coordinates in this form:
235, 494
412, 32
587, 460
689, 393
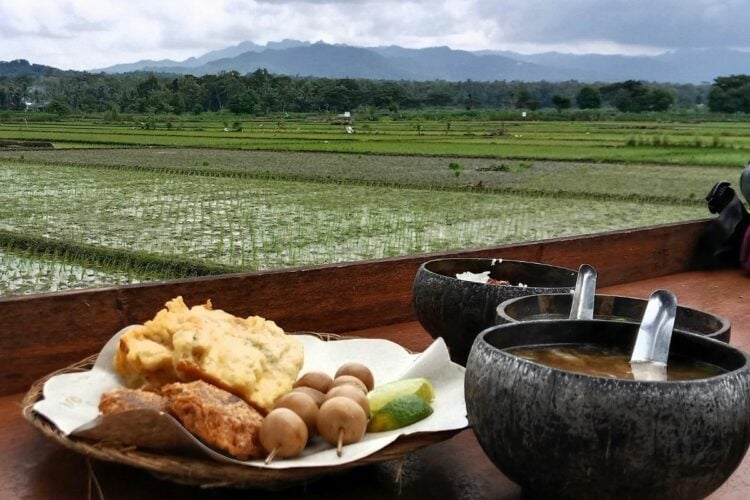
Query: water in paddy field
252, 224
23, 275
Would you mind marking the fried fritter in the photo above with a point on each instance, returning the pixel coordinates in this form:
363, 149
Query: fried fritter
252, 358
144, 354
124, 399
220, 419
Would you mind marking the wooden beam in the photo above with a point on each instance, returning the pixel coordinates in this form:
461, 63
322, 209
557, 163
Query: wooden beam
41, 333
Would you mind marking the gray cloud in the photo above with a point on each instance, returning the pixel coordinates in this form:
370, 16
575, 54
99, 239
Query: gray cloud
96, 33
660, 23
42, 32
78, 25
319, 2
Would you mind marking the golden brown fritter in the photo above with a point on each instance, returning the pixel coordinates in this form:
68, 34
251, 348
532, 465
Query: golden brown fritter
144, 354
220, 419
124, 399
252, 358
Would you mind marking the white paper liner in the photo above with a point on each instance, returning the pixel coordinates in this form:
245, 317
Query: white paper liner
71, 400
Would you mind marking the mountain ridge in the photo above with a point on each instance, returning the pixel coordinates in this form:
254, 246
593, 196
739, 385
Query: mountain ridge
320, 59
21, 67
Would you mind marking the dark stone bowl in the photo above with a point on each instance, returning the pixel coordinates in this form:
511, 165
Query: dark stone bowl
457, 310
614, 307
566, 435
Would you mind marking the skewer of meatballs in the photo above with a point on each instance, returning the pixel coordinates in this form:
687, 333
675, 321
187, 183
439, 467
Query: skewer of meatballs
335, 408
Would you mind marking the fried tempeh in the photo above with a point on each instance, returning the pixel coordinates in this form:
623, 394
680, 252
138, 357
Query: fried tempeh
220, 419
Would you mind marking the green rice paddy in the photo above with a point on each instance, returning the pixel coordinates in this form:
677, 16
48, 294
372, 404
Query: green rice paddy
657, 142
278, 194
22, 274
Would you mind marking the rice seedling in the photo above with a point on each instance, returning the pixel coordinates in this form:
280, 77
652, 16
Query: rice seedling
247, 224
275, 194
22, 273
668, 183
581, 141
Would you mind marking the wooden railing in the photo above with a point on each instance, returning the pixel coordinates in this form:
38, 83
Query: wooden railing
41, 333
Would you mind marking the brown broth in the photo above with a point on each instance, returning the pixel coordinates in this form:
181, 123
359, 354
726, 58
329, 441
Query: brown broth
554, 315
544, 316
604, 361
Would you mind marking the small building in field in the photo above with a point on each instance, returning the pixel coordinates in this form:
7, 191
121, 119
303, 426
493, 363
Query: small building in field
344, 118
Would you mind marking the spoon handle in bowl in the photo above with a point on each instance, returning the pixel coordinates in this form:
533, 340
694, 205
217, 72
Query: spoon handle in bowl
584, 293
655, 332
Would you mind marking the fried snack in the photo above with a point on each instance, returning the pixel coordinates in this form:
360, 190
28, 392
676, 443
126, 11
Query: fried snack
144, 354
252, 358
220, 419
124, 399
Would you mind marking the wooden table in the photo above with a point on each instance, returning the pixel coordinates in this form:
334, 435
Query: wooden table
35, 468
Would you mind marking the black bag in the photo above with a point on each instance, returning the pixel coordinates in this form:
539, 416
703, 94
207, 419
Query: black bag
723, 242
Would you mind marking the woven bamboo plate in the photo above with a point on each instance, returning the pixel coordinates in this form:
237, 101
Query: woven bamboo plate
205, 472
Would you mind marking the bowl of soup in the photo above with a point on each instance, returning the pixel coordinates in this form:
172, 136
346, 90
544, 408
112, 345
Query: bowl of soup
449, 305
555, 406
610, 307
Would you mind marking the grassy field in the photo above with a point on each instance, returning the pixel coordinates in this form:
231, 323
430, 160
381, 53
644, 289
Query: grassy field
664, 183
704, 143
250, 224
192, 199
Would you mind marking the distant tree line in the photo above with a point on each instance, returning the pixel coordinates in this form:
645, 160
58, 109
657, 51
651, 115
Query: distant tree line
261, 92
730, 94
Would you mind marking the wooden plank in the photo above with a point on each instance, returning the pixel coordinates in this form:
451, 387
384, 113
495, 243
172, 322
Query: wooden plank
39, 334
35, 468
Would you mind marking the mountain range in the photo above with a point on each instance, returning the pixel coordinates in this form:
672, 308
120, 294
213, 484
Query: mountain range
299, 58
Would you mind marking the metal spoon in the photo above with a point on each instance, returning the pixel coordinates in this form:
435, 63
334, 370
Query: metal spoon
584, 293
651, 350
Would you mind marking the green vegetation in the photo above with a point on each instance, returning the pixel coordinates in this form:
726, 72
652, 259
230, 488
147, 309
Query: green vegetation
133, 262
262, 93
635, 96
163, 176
487, 135
589, 97
27, 272
236, 223
147, 197
730, 94
666, 184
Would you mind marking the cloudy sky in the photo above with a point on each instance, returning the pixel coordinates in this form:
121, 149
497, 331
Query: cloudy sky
85, 34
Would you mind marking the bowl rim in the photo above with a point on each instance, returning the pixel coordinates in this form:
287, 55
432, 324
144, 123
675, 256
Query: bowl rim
493, 260
480, 339
500, 311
